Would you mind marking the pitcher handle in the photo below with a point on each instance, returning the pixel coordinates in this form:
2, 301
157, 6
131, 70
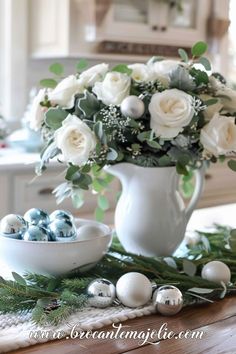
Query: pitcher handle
199, 175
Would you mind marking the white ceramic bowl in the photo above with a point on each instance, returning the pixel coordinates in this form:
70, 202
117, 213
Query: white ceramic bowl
55, 258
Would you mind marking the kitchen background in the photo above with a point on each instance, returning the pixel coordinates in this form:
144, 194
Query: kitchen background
36, 33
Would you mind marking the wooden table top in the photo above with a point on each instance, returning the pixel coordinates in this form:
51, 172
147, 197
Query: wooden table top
217, 321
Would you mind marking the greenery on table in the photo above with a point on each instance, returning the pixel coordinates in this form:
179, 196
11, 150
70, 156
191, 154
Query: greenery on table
52, 300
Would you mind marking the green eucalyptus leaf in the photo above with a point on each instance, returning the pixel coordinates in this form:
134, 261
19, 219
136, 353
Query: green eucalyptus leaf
81, 65
189, 267
71, 172
112, 154
57, 69
122, 68
205, 62
201, 290
99, 214
183, 55
211, 101
154, 144
232, 164
103, 202
164, 161
181, 169
144, 136
54, 117
18, 278
199, 49
48, 83
44, 302
77, 198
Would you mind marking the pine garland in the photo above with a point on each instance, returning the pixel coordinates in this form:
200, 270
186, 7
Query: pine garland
52, 300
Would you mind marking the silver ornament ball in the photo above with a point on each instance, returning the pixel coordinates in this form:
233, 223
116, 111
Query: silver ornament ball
37, 216
13, 226
168, 300
101, 293
36, 233
63, 230
132, 107
61, 214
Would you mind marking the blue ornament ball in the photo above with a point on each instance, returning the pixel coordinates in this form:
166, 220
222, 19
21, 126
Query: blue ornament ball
61, 214
13, 226
63, 230
51, 235
37, 216
36, 233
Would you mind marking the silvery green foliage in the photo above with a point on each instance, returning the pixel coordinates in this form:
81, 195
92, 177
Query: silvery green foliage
122, 139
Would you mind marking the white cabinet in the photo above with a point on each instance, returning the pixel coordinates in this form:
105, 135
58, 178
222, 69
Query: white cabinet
49, 27
153, 21
92, 28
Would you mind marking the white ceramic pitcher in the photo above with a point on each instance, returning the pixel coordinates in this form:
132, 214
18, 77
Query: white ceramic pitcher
151, 216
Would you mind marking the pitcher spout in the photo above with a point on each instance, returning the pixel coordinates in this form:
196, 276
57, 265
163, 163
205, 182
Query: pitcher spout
121, 170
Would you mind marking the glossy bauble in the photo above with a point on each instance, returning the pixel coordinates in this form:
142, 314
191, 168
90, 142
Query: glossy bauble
101, 293
168, 300
217, 272
36, 216
13, 226
63, 230
61, 214
132, 107
36, 233
134, 289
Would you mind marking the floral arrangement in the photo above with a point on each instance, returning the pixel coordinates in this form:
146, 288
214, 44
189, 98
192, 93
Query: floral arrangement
162, 113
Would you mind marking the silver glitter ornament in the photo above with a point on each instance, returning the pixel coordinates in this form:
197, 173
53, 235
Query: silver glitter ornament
168, 300
101, 293
37, 216
132, 107
61, 214
63, 230
35, 233
13, 226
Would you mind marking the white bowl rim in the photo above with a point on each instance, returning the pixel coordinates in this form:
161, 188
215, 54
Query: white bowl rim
108, 234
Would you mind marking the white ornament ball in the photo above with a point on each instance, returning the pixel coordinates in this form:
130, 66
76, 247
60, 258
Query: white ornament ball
132, 107
133, 289
88, 232
216, 272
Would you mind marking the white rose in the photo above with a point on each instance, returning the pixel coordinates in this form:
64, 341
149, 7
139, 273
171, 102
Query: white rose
36, 114
218, 137
113, 89
162, 69
75, 140
93, 74
170, 110
140, 72
64, 93
213, 108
